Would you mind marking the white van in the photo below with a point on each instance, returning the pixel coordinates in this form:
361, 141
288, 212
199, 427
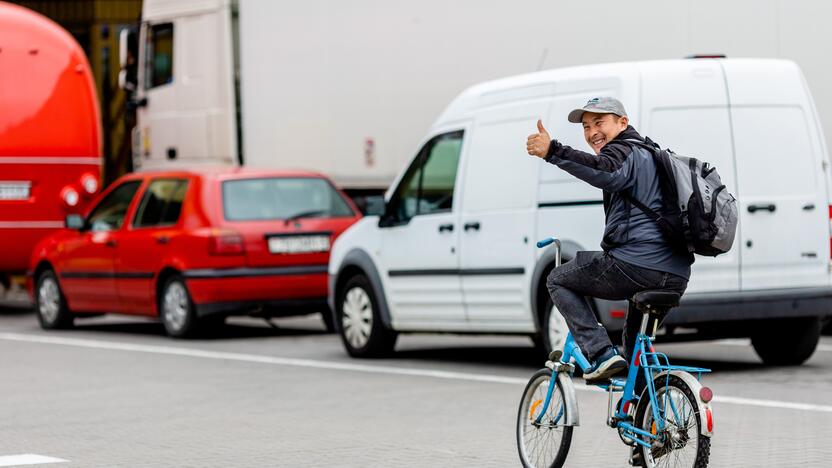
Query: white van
454, 250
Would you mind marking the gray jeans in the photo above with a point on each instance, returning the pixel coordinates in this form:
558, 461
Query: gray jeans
599, 274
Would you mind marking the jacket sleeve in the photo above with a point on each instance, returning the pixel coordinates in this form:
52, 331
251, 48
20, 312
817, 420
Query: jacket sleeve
613, 170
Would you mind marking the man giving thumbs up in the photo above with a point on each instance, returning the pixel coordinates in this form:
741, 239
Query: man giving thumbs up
635, 255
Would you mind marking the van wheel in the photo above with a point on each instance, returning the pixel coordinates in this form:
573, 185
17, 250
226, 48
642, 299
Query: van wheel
50, 303
787, 342
176, 309
359, 321
554, 329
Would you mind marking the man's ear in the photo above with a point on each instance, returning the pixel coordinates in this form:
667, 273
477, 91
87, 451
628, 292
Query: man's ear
624, 121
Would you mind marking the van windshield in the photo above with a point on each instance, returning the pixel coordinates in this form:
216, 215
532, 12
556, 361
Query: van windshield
281, 198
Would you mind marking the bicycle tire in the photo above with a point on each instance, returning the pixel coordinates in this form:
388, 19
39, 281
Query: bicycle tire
533, 395
689, 411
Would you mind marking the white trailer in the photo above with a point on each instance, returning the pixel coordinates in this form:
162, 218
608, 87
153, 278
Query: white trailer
348, 88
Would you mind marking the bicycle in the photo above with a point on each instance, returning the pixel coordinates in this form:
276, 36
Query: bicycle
672, 423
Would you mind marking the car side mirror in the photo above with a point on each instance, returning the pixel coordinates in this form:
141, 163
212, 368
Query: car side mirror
75, 221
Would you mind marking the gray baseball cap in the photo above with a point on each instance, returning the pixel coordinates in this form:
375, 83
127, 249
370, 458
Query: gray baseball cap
599, 105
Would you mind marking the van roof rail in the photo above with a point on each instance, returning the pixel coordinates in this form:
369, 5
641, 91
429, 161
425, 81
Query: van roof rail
705, 56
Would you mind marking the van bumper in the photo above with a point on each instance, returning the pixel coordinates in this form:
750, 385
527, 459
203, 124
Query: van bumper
698, 308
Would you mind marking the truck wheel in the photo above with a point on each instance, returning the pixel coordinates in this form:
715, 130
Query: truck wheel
50, 303
359, 321
787, 342
176, 309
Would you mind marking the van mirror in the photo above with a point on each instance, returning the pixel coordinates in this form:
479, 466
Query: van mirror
374, 205
75, 221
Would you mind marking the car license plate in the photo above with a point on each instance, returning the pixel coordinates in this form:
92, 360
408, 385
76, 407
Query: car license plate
298, 244
15, 190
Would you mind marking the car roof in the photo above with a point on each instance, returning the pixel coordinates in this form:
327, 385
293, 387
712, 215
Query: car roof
225, 173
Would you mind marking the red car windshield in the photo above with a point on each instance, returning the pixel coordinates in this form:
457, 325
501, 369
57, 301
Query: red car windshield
281, 198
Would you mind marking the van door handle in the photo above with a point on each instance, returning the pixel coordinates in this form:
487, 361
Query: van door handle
162, 240
809, 207
110, 243
767, 207
475, 226
446, 227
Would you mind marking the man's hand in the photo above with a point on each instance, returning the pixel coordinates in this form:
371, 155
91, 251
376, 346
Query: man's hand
538, 143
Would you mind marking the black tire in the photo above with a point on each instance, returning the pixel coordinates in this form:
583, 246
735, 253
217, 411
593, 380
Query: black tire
787, 342
329, 320
644, 421
360, 326
179, 314
533, 395
50, 303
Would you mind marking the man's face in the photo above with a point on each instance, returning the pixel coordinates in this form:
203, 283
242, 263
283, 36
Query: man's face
600, 129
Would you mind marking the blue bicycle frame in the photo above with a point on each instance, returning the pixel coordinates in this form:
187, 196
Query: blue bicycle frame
643, 359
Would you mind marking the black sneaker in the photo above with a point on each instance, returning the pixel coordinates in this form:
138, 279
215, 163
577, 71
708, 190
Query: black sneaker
607, 365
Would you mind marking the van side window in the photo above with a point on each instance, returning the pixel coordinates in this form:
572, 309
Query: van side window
428, 186
158, 67
109, 214
161, 203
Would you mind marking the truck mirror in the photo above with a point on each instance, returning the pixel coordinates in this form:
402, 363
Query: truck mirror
128, 51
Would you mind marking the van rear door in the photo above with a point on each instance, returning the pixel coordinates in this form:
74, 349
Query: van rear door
685, 109
782, 193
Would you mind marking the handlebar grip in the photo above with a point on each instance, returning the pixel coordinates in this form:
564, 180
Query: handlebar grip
545, 242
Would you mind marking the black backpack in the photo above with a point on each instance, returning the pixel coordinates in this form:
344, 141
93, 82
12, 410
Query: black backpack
698, 213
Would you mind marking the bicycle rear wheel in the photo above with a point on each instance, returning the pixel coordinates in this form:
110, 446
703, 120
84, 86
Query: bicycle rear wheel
544, 444
681, 443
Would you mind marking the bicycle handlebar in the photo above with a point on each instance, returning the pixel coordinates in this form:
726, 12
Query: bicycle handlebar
545, 242
549, 241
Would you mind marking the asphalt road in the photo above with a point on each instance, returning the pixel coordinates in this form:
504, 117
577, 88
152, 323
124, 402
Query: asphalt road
116, 392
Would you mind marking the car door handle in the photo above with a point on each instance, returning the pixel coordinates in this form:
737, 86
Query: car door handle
809, 207
111, 243
163, 240
763, 207
475, 226
446, 227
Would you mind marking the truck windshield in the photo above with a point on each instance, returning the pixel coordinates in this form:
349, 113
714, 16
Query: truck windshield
281, 198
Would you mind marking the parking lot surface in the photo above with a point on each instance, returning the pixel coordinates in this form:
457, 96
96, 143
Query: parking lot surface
117, 392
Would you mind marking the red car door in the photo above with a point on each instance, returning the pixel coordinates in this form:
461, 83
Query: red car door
87, 260
146, 243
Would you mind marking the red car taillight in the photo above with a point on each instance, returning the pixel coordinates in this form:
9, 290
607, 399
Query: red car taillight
225, 243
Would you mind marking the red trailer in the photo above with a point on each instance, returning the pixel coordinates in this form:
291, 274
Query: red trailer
50, 134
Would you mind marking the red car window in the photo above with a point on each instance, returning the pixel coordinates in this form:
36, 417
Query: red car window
281, 198
110, 212
161, 203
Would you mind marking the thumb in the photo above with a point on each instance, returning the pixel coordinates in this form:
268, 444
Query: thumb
540, 127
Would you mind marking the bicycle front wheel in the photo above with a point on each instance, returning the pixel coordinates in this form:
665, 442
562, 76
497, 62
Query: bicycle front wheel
680, 443
542, 444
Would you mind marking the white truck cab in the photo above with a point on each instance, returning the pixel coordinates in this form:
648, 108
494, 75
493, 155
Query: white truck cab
454, 249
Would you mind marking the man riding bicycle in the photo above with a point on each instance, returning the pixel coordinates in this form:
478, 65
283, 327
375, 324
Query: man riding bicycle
635, 255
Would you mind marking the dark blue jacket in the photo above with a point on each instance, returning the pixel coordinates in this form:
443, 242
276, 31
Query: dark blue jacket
629, 235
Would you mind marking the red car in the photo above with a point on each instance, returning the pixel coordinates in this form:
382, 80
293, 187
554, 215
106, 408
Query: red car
193, 247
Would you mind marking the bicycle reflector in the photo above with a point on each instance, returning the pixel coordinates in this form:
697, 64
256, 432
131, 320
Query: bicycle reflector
706, 394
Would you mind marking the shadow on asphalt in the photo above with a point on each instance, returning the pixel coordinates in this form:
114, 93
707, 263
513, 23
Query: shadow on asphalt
223, 332
504, 355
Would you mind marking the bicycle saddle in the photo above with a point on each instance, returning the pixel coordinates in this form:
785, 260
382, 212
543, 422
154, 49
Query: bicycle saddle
656, 300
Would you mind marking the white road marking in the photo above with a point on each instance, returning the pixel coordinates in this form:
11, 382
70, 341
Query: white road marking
284, 361
747, 342
28, 459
